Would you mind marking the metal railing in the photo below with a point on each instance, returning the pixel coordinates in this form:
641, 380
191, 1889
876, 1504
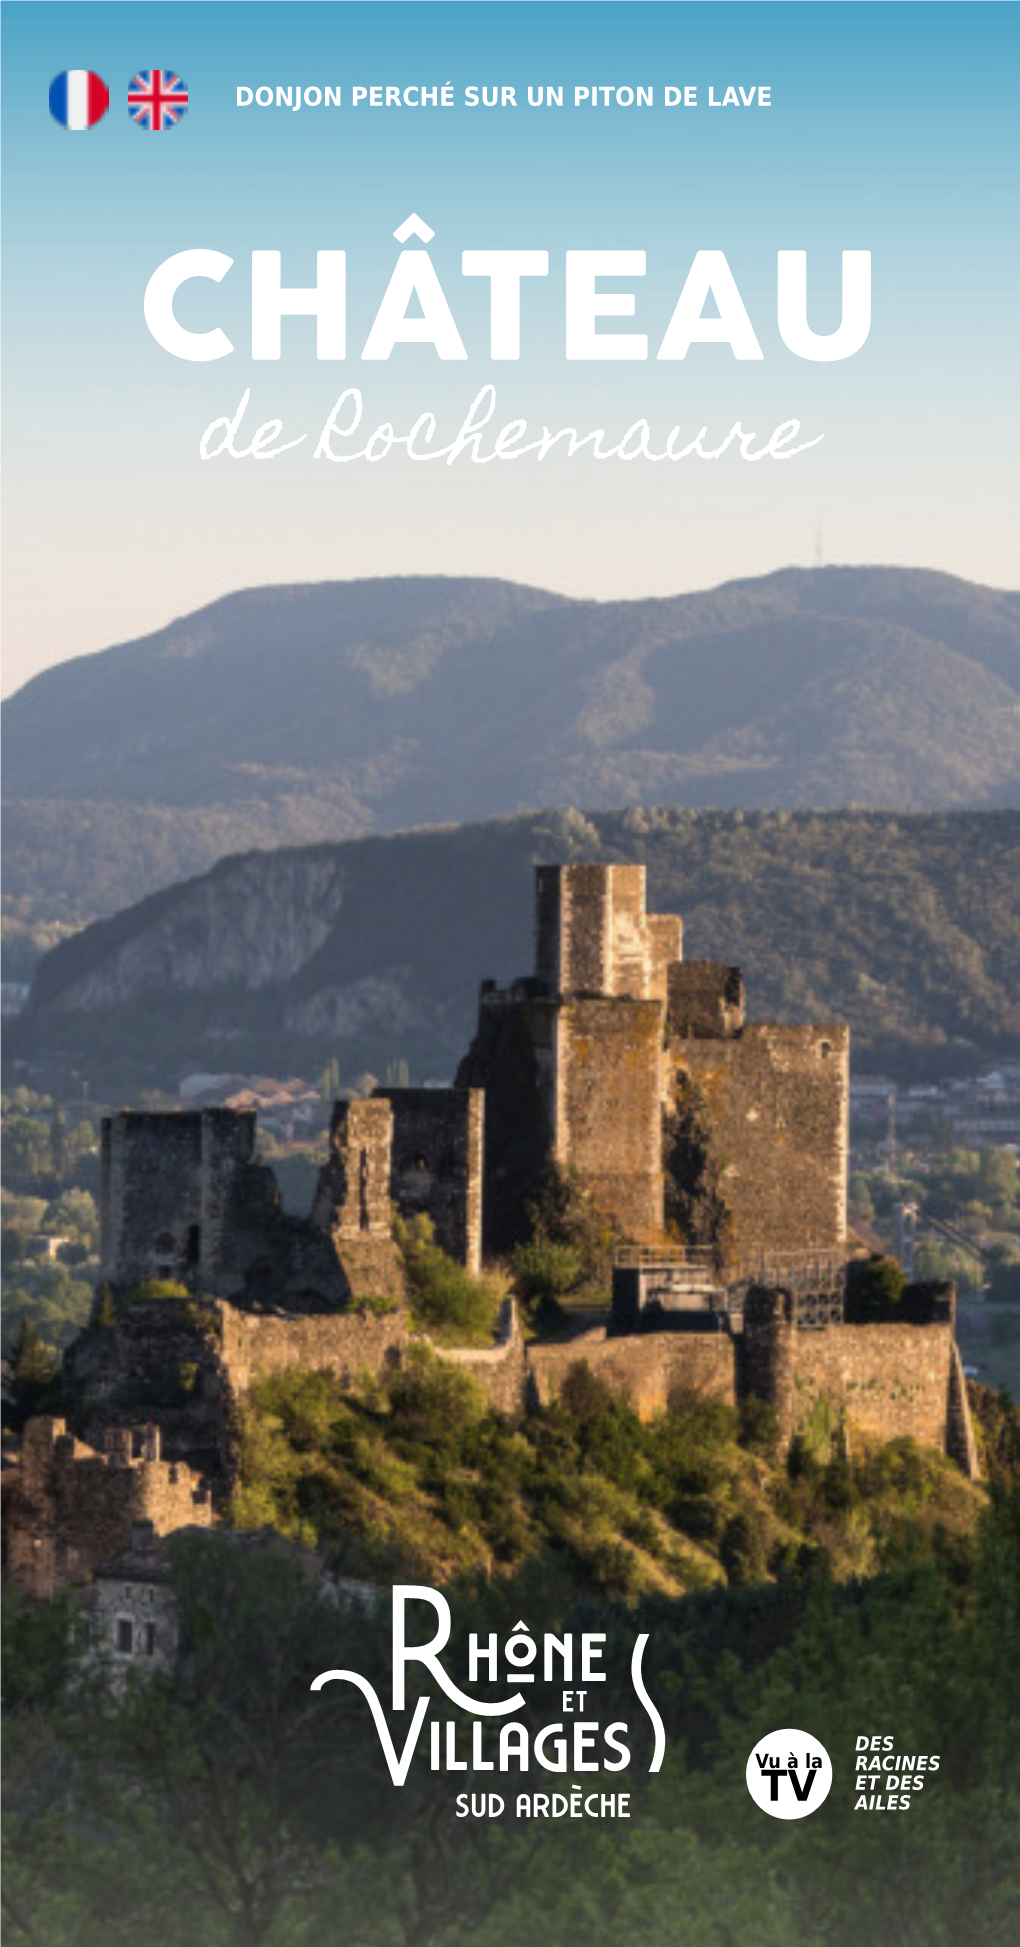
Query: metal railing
814, 1279
641, 1257
802, 1273
800, 1270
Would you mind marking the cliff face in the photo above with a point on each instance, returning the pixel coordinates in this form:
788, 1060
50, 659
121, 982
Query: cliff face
253, 923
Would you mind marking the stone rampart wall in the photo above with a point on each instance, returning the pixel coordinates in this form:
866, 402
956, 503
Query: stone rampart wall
646, 1369
886, 1381
348, 1344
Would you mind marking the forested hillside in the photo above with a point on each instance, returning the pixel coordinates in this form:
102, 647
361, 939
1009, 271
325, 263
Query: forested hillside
372, 951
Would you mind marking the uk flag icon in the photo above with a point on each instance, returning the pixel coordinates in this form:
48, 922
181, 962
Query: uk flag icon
157, 98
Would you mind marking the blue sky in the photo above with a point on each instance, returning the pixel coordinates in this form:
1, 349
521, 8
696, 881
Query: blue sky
891, 129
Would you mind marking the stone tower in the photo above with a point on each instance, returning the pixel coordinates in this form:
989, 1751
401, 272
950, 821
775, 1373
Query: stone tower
636, 1071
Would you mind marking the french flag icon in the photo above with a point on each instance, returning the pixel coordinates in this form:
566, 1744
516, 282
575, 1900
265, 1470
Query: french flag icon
78, 98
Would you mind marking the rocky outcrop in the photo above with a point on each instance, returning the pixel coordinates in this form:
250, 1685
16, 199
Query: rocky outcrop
252, 923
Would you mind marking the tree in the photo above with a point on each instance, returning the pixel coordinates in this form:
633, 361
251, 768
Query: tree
997, 1176
30, 1384
874, 1290
73, 1213
60, 1145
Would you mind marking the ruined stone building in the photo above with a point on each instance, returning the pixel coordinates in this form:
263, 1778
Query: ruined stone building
70, 1506
185, 1200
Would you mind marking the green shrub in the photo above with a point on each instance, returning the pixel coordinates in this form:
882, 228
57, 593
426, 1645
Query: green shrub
376, 1307
874, 1291
31, 1378
547, 1270
563, 1216
446, 1300
695, 1444
802, 1462
432, 1406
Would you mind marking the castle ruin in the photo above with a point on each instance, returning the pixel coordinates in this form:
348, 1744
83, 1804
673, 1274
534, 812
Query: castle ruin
616, 1062
71, 1506
711, 1148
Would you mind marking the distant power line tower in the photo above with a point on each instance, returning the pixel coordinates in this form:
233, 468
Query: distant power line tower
819, 550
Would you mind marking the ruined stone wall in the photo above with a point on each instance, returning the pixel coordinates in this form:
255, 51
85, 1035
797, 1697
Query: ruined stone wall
513, 1376
348, 1344
72, 1507
437, 1161
352, 1202
227, 1152
502, 1373
179, 1190
156, 1364
608, 1117
763, 1113
887, 1381
183, 1199
353, 1196
151, 1198
665, 949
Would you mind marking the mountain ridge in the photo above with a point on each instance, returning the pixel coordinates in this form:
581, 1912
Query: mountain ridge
324, 711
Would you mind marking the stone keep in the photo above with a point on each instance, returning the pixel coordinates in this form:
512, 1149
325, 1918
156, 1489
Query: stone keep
636, 1072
